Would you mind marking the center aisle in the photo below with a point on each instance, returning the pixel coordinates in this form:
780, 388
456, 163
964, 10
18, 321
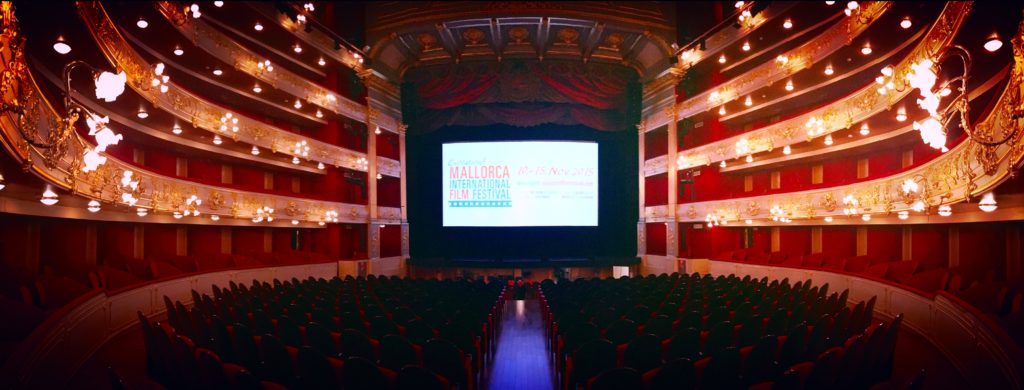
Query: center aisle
522, 360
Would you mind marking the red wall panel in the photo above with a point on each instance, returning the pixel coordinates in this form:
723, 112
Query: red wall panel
655, 238
283, 239
656, 143
161, 241
387, 145
930, 245
656, 190
838, 242
63, 244
389, 192
795, 241
205, 171
115, 242
204, 240
247, 241
390, 240
885, 242
982, 249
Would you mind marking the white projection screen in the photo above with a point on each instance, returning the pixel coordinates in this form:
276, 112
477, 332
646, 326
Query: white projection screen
520, 183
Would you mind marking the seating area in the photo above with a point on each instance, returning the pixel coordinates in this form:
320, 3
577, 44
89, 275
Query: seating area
354, 333
692, 332
999, 302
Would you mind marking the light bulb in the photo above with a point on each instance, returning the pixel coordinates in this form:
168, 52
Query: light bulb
142, 23
748, 222
905, 23
721, 110
866, 49
295, 160
320, 166
988, 203
788, 24
722, 164
142, 114
903, 215
49, 198
865, 217
214, 217
176, 129
829, 70
852, 5
901, 114
945, 210
321, 223
142, 212
739, 4
177, 215
787, 150
2, 185
828, 219
298, 104
255, 151
257, 26
993, 43
217, 72
864, 129
721, 59
295, 222
257, 88
376, 130
749, 159
379, 176
789, 85
218, 4
319, 114
829, 2
60, 46
321, 61
178, 51
746, 46
748, 101
94, 206
828, 139
217, 140
297, 48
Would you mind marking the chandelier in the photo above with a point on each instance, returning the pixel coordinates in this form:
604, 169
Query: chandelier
923, 76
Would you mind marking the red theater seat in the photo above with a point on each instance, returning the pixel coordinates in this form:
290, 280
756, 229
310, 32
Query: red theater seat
898, 270
161, 270
857, 264
928, 281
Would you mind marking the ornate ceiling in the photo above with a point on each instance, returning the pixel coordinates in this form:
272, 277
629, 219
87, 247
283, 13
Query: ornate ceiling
405, 35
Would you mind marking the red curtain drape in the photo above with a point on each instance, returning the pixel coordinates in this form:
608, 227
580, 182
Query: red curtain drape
522, 94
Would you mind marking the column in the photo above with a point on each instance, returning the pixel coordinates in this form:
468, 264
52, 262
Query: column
671, 247
404, 190
373, 224
641, 230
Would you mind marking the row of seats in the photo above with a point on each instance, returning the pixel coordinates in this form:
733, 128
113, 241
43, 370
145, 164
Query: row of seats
274, 330
642, 323
1000, 301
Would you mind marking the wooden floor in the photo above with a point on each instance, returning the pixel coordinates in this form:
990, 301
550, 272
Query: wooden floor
522, 360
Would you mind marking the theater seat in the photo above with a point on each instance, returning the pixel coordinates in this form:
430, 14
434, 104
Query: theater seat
857, 264
927, 281
898, 270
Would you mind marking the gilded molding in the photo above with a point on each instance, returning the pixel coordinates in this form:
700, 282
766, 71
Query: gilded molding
840, 114
200, 112
799, 58
965, 171
155, 192
223, 47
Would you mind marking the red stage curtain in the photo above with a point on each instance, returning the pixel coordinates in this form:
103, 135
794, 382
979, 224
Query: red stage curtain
521, 94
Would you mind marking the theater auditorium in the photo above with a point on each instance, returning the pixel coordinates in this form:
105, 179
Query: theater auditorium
505, 195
